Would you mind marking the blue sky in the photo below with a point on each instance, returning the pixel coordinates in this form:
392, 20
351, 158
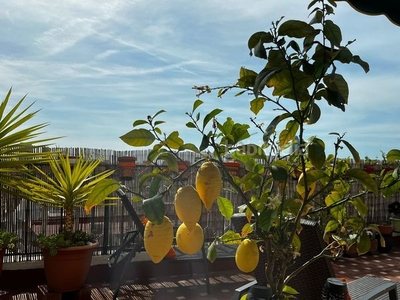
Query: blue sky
93, 67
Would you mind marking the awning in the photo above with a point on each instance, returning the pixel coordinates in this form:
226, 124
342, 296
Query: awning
389, 8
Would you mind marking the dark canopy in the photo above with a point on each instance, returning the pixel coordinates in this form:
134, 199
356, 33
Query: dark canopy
389, 8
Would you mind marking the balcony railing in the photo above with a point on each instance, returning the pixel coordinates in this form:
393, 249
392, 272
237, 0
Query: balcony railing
109, 223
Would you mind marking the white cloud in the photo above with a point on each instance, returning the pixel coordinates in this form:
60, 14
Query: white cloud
94, 67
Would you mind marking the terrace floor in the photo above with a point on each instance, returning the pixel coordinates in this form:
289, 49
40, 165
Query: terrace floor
223, 283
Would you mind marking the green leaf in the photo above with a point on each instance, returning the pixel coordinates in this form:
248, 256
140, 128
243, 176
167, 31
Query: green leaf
279, 173
158, 113
231, 237
272, 126
359, 61
190, 125
391, 190
225, 207
210, 116
393, 155
344, 55
154, 209
212, 252
332, 33
174, 141
263, 77
139, 122
317, 17
267, 217
312, 176
196, 104
257, 104
204, 143
138, 138
256, 38
314, 115
169, 159
189, 146
155, 185
335, 98
316, 154
364, 243
360, 206
364, 178
295, 28
294, 46
331, 226
246, 78
338, 212
288, 134
100, 192
289, 290
353, 151
259, 50
283, 84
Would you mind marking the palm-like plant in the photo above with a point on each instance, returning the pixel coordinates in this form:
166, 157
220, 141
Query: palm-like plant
20, 143
70, 186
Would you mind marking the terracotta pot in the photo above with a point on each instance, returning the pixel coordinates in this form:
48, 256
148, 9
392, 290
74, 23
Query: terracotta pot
182, 165
127, 165
232, 167
68, 269
385, 229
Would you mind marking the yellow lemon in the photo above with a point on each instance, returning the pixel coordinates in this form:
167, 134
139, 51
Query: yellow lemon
247, 256
208, 183
188, 206
158, 239
189, 242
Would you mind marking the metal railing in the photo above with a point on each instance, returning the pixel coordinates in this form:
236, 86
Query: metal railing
110, 223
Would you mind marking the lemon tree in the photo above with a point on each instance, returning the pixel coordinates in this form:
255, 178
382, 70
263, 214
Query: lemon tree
299, 69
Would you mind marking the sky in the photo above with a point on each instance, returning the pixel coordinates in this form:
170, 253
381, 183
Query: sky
94, 67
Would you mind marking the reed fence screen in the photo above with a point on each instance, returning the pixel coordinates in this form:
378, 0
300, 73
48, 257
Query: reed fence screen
110, 223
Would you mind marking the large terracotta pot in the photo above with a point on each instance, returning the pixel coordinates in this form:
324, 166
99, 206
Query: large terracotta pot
68, 269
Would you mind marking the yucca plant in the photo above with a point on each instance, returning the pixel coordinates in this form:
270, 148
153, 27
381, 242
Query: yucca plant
20, 143
69, 186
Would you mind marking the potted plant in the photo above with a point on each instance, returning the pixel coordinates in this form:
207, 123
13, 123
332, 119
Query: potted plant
8, 240
70, 188
293, 80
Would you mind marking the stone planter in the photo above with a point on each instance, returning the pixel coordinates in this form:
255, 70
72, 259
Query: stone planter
395, 224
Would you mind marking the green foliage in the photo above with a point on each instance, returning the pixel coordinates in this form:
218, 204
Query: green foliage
20, 144
8, 239
300, 68
59, 240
